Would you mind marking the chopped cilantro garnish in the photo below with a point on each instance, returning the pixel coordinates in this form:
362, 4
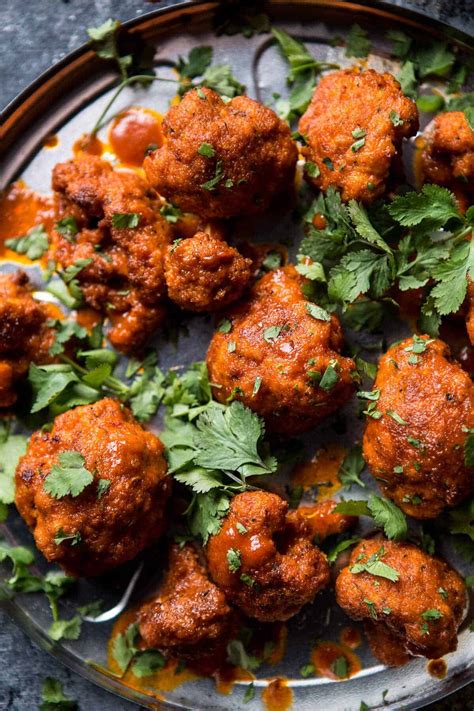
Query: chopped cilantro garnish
34, 244
207, 150
234, 559
68, 476
375, 566
126, 220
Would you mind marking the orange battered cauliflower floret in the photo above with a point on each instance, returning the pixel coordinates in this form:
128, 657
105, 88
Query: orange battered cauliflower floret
281, 356
415, 449
220, 159
354, 128
263, 558
418, 614
114, 517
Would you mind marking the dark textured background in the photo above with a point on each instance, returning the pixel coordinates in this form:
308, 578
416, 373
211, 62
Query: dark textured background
33, 35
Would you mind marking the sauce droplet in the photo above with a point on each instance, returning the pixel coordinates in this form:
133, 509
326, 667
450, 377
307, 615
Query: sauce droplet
88, 144
437, 668
351, 637
133, 132
319, 221
321, 471
51, 141
277, 696
335, 661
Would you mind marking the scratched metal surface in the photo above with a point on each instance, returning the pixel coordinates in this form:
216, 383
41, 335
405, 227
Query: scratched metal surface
263, 71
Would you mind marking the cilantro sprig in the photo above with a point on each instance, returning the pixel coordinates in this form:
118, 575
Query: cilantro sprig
218, 77
383, 511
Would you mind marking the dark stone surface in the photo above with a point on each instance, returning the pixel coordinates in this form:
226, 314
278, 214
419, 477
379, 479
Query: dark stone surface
33, 35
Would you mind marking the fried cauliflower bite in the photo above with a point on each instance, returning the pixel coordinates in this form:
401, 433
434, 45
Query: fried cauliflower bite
323, 522
204, 273
124, 278
448, 157
278, 359
222, 160
109, 523
418, 615
25, 336
415, 449
263, 558
354, 128
190, 616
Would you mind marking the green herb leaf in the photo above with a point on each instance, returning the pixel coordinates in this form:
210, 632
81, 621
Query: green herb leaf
67, 227
126, 220
317, 312
10, 452
340, 667
330, 376
123, 647
271, 333
66, 629
148, 662
69, 477
352, 465
238, 656
34, 244
53, 697
358, 42
234, 559
206, 150
61, 536
334, 552
375, 566
431, 614
211, 185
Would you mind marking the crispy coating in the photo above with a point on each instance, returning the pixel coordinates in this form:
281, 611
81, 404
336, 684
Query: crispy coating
448, 157
190, 616
125, 277
275, 353
350, 106
278, 569
113, 526
418, 615
25, 336
204, 273
252, 156
323, 522
420, 464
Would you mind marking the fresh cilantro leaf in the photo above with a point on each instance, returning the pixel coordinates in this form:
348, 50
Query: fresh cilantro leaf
48, 382
432, 614
358, 42
206, 150
387, 515
102, 487
198, 60
407, 78
468, 449
34, 244
126, 220
395, 119
53, 697
401, 43
249, 693
317, 312
330, 376
334, 552
375, 566
313, 270
171, 213
206, 513
459, 103
351, 466
67, 227
364, 226
65, 330
124, 647
311, 169
229, 439
395, 416
68, 477
434, 206
461, 519
211, 184
273, 260
220, 78
434, 59
340, 667
61, 536
469, 114
66, 629
234, 557
430, 103
10, 452
148, 662
239, 657
451, 275
247, 580
103, 40
271, 333
92, 609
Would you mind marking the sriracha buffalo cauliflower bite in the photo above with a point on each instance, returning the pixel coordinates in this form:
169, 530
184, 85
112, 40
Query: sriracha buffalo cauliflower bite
189, 616
281, 356
204, 273
412, 608
354, 128
222, 160
415, 446
121, 508
263, 558
122, 239
25, 336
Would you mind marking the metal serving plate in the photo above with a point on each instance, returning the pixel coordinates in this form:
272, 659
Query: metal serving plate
66, 101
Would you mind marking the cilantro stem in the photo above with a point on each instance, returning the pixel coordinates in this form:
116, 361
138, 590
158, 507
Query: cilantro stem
126, 82
110, 382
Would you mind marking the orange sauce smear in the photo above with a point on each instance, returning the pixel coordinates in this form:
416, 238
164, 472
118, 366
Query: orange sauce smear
88, 318
350, 637
226, 677
277, 696
166, 679
437, 668
321, 469
86, 143
325, 655
279, 639
21, 209
133, 132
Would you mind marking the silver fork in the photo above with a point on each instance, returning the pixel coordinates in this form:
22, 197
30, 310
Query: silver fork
123, 602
